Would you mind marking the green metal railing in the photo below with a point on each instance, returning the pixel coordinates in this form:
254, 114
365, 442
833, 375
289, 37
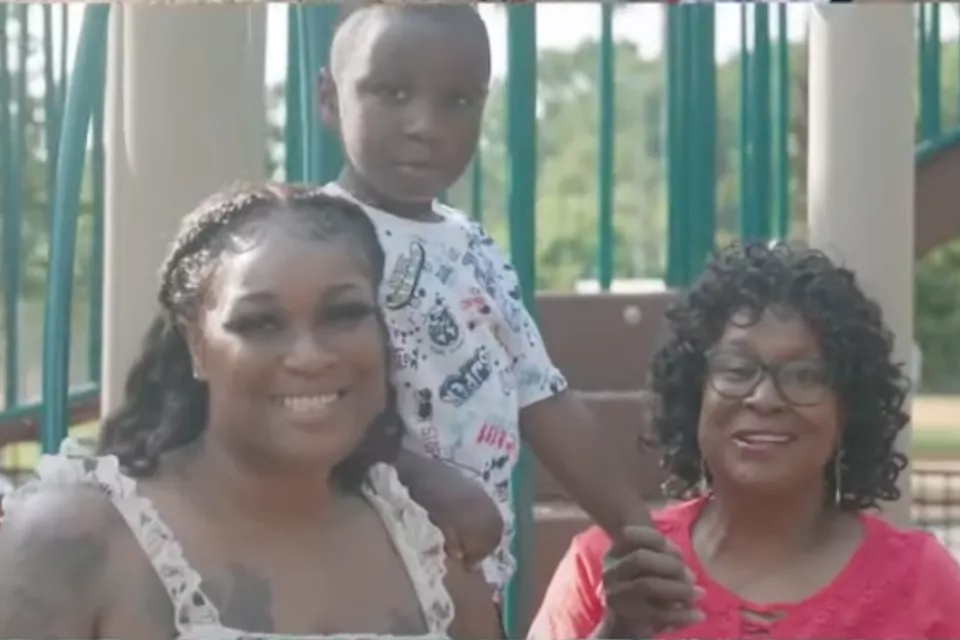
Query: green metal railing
68, 119
43, 187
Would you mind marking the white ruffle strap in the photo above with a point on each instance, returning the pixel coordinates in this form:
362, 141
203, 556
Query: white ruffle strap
419, 542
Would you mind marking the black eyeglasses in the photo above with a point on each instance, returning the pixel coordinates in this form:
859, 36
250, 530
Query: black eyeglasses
735, 375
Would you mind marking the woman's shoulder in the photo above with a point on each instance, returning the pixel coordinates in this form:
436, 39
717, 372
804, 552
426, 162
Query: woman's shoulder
76, 468
882, 537
70, 495
923, 564
69, 498
56, 543
920, 556
923, 581
67, 510
922, 547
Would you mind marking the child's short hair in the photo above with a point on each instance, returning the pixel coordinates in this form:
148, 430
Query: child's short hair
348, 8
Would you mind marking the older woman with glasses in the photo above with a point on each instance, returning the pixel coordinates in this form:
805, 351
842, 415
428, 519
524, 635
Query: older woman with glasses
777, 408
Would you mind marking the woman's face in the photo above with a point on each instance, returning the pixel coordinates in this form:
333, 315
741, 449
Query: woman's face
769, 419
290, 347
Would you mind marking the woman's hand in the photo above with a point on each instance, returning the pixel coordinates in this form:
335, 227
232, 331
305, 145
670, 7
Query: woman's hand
467, 516
647, 587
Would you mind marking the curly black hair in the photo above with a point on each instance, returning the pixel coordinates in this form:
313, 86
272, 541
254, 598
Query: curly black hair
164, 405
857, 347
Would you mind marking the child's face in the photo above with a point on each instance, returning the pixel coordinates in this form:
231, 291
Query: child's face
408, 101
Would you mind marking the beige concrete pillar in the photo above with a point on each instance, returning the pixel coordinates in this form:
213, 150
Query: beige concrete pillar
185, 116
861, 158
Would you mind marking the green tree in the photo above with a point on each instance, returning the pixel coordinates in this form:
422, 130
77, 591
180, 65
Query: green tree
937, 275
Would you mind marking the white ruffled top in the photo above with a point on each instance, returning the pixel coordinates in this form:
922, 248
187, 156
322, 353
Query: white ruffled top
419, 543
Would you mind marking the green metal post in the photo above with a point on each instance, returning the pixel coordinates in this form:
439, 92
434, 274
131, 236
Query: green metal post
674, 64
309, 125
293, 131
929, 42
747, 208
782, 141
81, 101
64, 67
323, 157
521, 212
689, 155
702, 145
756, 220
758, 227
605, 152
676, 124
97, 185
51, 105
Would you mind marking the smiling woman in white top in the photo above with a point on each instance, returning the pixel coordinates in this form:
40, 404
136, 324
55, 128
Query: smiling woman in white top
243, 490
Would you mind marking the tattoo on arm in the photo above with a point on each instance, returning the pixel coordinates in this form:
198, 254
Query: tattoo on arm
49, 577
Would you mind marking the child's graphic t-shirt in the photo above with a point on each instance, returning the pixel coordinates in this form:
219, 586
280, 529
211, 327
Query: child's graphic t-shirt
467, 355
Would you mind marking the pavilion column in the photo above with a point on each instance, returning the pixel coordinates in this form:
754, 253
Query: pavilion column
185, 116
861, 160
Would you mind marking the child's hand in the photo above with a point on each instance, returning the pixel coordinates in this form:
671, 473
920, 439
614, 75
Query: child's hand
468, 517
647, 585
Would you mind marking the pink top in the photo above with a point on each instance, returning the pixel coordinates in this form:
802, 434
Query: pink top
898, 584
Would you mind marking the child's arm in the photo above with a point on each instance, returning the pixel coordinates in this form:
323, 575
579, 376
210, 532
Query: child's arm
654, 588
468, 517
556, 425
564, 436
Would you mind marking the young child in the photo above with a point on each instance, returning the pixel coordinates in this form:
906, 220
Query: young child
405, 90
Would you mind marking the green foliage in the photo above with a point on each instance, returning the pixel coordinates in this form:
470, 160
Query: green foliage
937, 317
567, 182
937, 276
567, 194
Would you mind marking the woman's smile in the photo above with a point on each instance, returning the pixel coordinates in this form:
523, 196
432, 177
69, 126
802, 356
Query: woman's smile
762, 442
309, 409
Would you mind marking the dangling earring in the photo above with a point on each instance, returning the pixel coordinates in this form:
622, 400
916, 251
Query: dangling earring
837, 490
704, 481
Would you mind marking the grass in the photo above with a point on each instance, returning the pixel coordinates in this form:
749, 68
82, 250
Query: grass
935, 444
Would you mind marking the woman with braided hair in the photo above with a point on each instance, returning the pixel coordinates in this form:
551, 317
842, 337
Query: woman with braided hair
244, 490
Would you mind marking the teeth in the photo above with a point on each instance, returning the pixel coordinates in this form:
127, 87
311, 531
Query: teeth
765, 438
306, 404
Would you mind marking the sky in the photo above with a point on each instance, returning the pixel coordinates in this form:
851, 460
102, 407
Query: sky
559, 25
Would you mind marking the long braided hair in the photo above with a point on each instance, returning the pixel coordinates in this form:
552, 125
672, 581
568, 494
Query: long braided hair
164, 405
